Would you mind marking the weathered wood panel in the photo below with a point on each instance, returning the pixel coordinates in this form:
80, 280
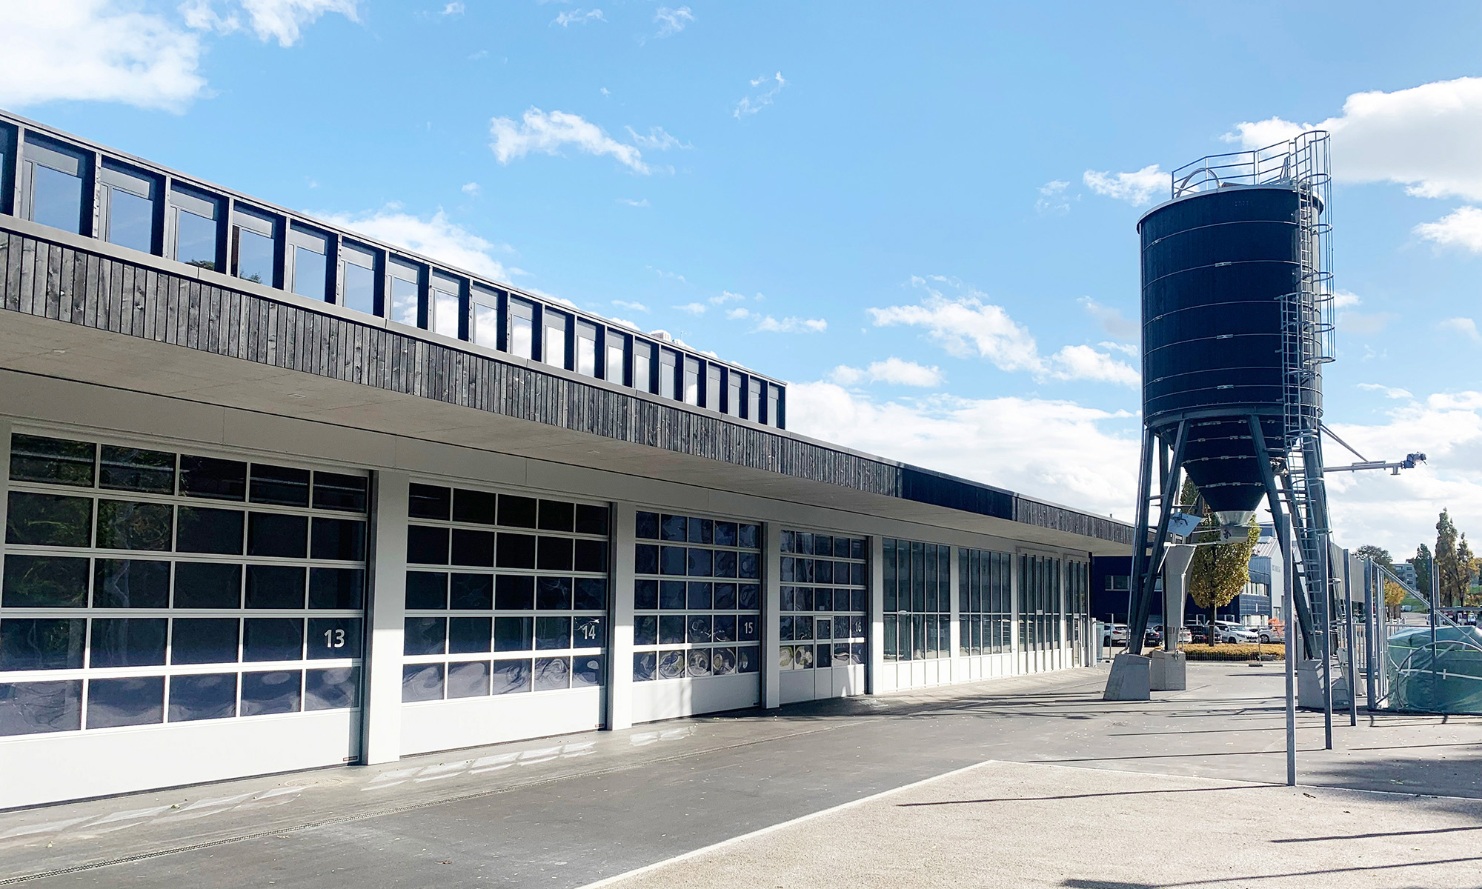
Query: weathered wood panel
76, 287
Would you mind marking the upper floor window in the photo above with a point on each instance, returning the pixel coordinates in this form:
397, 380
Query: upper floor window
129, 200
521, 327
405, 291
733, 393
483, 322
358, 279
7, 169
253, 235
691, 380
712, 386
309, 254
617, 358
586, 348
445, 306
754, 400
643, 365
553, 345
668, 367
194, 217
774, 405
52, 181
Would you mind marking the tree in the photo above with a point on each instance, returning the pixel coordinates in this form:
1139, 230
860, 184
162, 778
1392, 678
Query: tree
1394, 596
1422, 563
1219, 571
1448, 565
1376, 554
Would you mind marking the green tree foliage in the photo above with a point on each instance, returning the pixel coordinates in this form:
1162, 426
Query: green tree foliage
1448, 564
1422, 563
1375, 554
1219, 571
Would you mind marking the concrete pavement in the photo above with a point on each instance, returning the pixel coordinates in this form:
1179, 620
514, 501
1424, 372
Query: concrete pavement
1076, 791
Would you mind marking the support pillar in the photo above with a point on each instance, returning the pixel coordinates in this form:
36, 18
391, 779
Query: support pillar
619, 704
380, 710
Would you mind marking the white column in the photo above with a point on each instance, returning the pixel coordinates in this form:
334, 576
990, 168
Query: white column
771, 613
620, 613
876, 613
385, 615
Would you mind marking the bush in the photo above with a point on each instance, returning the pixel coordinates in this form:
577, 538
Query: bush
1240, 652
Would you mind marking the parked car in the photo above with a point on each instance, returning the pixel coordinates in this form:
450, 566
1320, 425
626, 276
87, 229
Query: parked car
1269, 634
1236, 634
1113, 634
1198, 633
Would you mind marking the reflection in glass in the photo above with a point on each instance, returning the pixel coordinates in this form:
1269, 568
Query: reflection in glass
698, 662
275, 586
206, 530
29, 708
44, 582
359, 288
671, 664
56, 199
645, 630
212, 696
469, 635
404, 300
126, 701
468, 680
424, 635
723, 661
133, 469
50, 643
552, 673
333, 689
127, 642
513, 633
552, 632
421, 682
644, 666
207, 585
254, 256
195, 239
272, 639
130, 220
748, 659
48, 520
310, 272
586, 671
141, 526
511, 677
54, 461
272, 692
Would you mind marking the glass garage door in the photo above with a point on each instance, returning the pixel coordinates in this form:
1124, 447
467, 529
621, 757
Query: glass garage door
822, 624
506, 604
697, 615
144, 587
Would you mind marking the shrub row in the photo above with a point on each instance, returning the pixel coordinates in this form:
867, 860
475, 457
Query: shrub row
1235, 652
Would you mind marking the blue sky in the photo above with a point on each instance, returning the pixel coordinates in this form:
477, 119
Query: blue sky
921, 215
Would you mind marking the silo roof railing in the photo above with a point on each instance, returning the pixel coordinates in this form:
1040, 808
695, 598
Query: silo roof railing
1291, 163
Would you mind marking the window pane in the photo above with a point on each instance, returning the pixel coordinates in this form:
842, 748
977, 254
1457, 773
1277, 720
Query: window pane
132, 469
282, 485
28, 708
485, 323
130, 220
553, 346
642, 367
691, 381
254, 256
521, 328
668, 364
127, 642
274, 692
45, 582
125, 525
333, 490
213, 696
205, 530
445, 307
133, 701
54, 461
48, 520
310, 272
360, 288
586, 349
210, 640
616, 369
404, 300
208, 585
56, 199
52, 643
195, 240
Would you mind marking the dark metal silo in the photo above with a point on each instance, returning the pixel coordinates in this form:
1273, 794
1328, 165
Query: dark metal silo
1215, 268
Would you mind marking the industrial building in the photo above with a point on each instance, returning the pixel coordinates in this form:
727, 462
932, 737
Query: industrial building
280, 496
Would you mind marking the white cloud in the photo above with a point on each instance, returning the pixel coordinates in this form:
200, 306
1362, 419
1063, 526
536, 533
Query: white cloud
1345, 299
966, 326
550, 133
1427, 138
657, 139
1057, 450
693, 308
630, 306
1052, 200
578, 17
1462, 228
1136, 188
455, 8
893, 371
281, 20
436, 237
1388, 391
640, 202
471, 189
768, 324
752, 104
1399, 512
98, 51
672, 21
1464, 326
672, 276
1112, 320
727, 296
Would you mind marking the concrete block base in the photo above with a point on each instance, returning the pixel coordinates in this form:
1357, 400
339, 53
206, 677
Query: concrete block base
1129, 679
1168, 671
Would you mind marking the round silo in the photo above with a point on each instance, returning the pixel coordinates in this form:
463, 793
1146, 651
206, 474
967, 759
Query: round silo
1216, 267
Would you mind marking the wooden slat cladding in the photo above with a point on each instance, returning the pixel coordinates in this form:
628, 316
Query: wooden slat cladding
104, 293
